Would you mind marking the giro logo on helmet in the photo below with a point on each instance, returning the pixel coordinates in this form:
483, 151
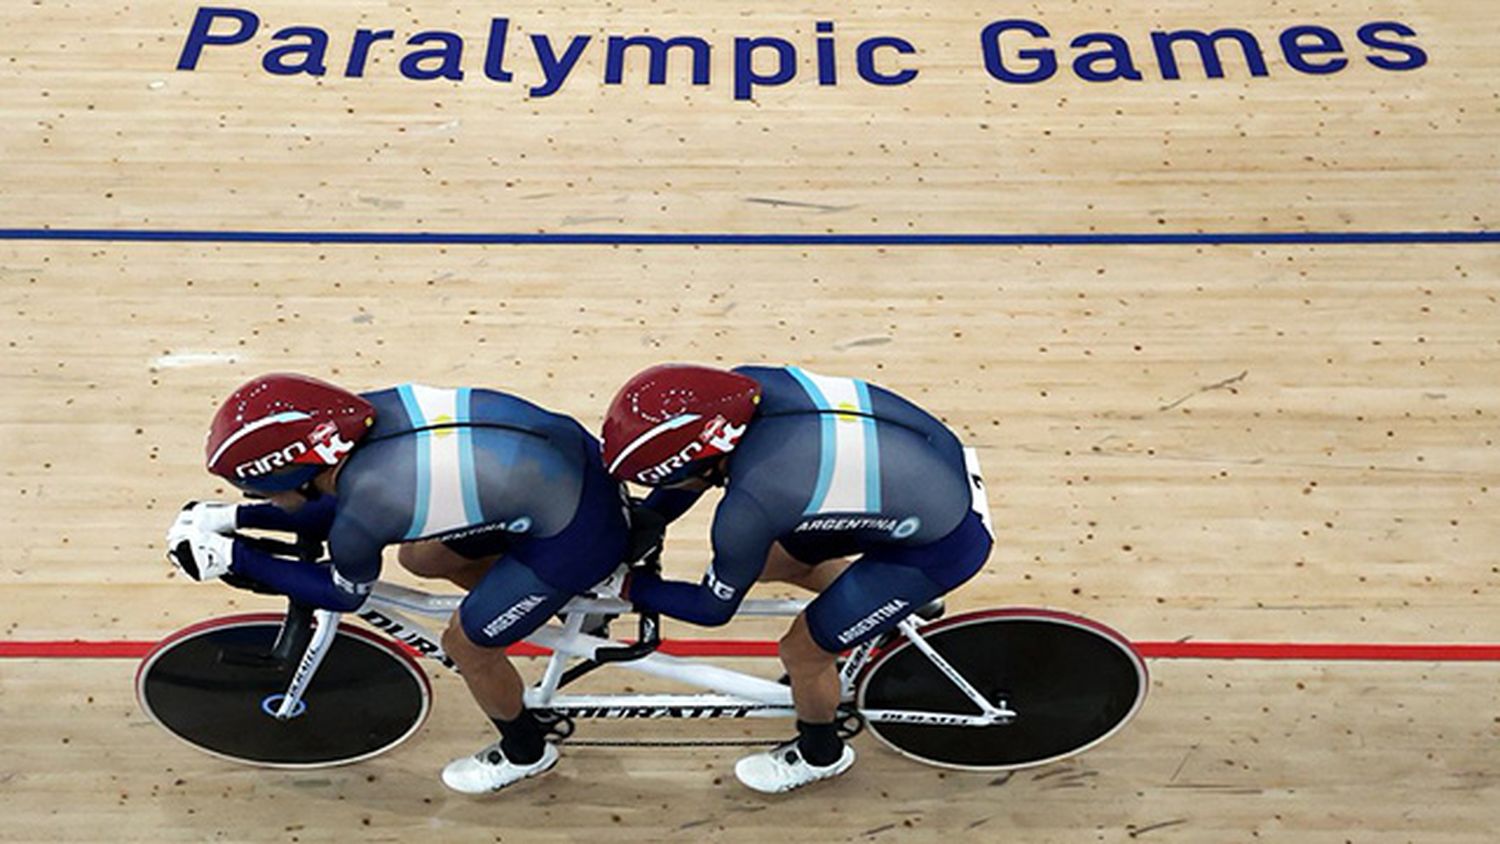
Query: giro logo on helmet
268, 463
672, 415
654, 474
277, 431
328, 453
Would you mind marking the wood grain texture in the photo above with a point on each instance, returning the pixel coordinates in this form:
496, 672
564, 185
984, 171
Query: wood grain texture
1258, 443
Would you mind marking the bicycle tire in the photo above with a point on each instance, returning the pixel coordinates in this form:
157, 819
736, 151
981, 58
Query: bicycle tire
368, 696
1072, 682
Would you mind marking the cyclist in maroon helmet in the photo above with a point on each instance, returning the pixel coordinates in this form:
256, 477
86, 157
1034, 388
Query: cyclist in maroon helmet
479, 487
816, 470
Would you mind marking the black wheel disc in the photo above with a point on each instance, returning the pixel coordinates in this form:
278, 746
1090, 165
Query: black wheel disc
1070, 685
365, 698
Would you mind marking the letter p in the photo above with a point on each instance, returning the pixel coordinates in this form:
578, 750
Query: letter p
200, 37
745, 75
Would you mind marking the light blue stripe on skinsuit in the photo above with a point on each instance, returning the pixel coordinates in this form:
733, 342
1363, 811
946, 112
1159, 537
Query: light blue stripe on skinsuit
872, 448
424, 445
826, 448
467, 477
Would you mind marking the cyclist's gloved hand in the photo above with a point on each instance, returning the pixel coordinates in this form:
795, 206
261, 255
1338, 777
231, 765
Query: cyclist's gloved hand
648, 529
201, 554
209, 516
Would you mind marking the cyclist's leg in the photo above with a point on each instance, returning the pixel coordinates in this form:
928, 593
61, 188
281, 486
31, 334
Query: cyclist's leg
882, 587
521, 592
870, 597
889, 582
812, 564
461, 561
817, 753
514, 598
506, 604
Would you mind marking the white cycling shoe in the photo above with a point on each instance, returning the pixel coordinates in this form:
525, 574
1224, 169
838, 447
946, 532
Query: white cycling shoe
489, 770
784, 769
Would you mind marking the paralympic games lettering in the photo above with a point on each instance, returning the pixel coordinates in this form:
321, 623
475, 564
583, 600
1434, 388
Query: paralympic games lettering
1014, 51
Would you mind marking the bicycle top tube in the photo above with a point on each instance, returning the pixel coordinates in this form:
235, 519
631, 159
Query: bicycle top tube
421, 602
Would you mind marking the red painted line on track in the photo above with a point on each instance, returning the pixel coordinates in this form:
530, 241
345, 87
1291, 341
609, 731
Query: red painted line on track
1280, 651
1319, 651
75, 649
82, 649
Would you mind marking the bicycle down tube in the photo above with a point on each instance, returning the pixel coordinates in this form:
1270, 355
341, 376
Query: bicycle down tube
989, 713
386, 611
736, 694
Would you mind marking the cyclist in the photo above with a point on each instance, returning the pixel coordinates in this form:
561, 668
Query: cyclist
482, 488
815, 470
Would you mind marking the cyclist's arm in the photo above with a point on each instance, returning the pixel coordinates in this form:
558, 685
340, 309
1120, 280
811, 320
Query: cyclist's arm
671, 502
318, 584
314, 519
741, 540
341, 584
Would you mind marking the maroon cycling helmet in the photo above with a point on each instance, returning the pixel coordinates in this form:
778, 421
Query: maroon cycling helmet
667, 421
276, 432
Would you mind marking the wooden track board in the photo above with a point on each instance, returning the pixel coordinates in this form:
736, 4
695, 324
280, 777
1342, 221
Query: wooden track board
1264, 442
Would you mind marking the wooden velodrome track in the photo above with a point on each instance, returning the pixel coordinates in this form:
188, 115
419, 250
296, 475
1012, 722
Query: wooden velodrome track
1287, 439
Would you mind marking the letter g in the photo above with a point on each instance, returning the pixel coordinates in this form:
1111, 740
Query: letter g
1045, 58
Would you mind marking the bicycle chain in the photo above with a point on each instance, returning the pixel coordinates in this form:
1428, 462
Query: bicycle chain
560, 730
671, 743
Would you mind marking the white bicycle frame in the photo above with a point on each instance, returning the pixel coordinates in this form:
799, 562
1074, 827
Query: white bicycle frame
729, 693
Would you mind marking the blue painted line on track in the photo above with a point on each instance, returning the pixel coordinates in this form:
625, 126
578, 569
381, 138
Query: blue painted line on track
736, 239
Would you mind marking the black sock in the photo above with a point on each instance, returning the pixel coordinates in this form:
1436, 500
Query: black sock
820, 743
522, 740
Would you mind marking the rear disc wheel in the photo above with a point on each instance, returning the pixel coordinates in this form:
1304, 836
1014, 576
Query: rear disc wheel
1072, 683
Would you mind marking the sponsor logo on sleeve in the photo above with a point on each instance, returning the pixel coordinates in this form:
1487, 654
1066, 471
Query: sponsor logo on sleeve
723, 591
348, 586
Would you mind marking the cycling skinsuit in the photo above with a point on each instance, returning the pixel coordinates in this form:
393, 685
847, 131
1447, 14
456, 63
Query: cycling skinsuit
486, 472
833, 467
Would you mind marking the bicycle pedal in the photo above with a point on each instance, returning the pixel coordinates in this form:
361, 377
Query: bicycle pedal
850, 723
558, 727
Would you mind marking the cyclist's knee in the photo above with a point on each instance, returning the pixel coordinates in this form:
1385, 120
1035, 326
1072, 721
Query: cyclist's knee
798, 647
782, 567
461, 645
